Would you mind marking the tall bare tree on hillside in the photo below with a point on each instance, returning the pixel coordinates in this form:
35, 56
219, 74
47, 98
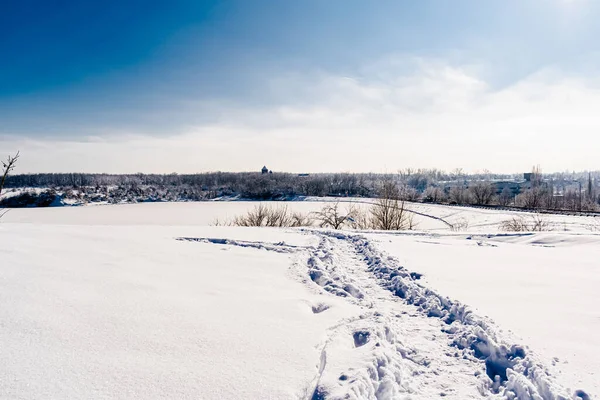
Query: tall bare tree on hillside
7, 167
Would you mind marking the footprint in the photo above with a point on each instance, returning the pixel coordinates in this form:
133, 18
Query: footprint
319, 308
361, 338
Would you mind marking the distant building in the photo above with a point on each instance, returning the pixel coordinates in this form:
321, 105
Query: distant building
528, 176
264, 170
513, 186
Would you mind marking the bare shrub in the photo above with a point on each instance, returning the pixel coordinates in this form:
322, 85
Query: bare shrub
266, 216
515, 224
220, 222
278, 217
459, 225
299, 219
389, 212
359, 219
255, 217
539, 224
594, 226
535, 223
410, 223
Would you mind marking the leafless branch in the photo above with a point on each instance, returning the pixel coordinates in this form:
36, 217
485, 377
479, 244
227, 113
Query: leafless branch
7, 167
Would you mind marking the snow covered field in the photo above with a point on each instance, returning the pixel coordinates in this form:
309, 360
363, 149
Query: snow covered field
428, 217
148, 301
543, 287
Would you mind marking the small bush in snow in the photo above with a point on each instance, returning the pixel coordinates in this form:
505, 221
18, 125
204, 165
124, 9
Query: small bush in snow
594, 226
360, 220
298, 219
460, 225
267, 216
536, 223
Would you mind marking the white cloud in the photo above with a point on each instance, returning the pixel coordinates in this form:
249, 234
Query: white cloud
398, 113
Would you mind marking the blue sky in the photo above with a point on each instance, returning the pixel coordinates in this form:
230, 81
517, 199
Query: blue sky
121, 81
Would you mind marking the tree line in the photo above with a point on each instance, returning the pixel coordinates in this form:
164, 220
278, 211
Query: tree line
557, 191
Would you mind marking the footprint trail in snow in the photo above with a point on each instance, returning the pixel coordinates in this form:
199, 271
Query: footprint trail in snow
409, 341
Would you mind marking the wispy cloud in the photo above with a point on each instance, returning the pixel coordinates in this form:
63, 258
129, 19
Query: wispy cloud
398, 112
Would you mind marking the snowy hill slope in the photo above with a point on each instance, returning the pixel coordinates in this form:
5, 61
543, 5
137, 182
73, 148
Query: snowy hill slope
143, 309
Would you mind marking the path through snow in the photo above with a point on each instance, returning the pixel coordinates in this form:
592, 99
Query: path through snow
409, 342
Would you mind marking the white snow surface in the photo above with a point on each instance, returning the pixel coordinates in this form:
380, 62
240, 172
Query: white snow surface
428, 217
543, 287
130, 312
148, 302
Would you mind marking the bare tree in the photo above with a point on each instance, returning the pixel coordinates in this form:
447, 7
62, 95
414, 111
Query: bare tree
536, 176
482, 193
408, 193
506, 197
266, 216
536, 223
388, 211
255, 217
532, 198
434, 194
333, 216
550, 201
457, 173
458, 195
7, 167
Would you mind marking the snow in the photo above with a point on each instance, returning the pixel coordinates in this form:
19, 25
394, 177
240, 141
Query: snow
488, 220
132, 313
439, 218
148, 301
166, 214
428, 217
542, 286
